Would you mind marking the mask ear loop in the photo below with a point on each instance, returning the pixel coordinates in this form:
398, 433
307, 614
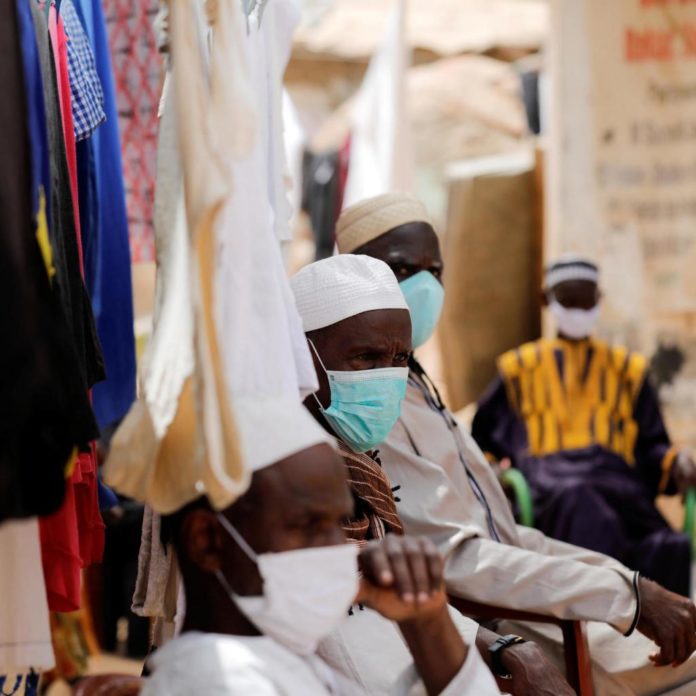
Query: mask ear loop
323, 367
316, 352
243, 545
241, 541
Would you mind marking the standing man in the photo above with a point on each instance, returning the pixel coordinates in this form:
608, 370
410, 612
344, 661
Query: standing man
449, 492
581, 420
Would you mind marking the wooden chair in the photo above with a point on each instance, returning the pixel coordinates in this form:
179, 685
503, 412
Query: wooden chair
575, 648
109, 685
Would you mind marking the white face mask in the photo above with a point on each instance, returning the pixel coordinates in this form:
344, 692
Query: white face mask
574, 323
306, 593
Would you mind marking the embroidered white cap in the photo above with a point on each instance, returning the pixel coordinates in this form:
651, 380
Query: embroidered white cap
366, 220
334, 289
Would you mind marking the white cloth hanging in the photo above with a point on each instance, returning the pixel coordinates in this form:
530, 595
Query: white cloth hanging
381, 152
226, 323
264, 347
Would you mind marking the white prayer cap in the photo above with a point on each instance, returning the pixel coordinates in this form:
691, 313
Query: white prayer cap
570, 267
366, 220
271, 428
342, 286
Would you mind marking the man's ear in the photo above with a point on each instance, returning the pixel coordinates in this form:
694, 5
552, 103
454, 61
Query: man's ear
202, 539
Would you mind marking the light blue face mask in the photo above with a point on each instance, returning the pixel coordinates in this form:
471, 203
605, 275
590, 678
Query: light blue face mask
365, 404
424, 297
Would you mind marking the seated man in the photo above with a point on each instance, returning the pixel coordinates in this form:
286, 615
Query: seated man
272, 574
450, 493
581, 419
358, 326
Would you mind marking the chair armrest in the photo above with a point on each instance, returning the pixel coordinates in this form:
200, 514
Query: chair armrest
690, 518
575, 648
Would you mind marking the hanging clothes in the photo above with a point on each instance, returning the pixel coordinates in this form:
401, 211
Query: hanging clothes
251, 284
72, 536
197, 452
68, 284
88, 114
105, 234
45, 413
59, 44
37, 429
85, 86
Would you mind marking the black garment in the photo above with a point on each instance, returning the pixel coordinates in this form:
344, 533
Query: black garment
68, 284
321, 194
37, 430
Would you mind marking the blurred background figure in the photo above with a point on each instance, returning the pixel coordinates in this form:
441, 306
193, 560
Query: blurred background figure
581, 419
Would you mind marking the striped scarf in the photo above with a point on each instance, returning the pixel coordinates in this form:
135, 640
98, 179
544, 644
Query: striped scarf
375, 511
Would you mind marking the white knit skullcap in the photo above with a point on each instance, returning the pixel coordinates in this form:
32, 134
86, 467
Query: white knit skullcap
571, 267
342, 286
366, 220
271, 428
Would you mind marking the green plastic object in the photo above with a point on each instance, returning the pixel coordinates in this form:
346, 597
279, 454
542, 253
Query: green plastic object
516, 480
689, 514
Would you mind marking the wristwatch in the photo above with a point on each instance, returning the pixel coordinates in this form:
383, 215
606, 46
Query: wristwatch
496, 651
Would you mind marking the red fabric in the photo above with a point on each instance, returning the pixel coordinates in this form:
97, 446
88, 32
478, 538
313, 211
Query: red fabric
89, 520
73, 537
60, 554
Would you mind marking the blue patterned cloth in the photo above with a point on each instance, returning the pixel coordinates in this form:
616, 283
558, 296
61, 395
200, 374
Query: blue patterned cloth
85, 85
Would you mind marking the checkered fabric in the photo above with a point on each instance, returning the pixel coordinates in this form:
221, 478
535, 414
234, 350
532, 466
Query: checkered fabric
85, 86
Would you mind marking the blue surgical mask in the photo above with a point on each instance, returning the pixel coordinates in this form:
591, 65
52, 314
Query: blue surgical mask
424, 296
365, 404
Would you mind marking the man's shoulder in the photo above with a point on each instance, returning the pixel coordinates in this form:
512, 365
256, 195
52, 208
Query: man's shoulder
630, 363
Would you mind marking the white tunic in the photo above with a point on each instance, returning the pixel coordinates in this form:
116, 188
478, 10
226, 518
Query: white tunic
219, 665
525, 570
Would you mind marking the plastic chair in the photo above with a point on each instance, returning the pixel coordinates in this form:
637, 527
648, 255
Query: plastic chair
575, 648
515, 481
109, 685
690, 518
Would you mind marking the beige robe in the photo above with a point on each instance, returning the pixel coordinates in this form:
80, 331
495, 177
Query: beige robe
526, 570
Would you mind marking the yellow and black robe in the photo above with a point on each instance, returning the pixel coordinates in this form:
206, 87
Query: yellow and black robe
582, 421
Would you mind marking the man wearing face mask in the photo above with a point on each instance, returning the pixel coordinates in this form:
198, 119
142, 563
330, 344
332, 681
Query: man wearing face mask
357, 324
449, 493
270, 576
581, 419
